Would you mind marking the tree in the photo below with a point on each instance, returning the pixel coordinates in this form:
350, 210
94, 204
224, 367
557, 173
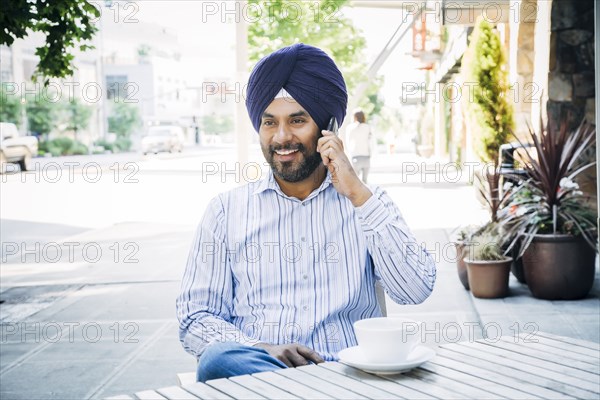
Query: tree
282, 23
124, 118
215, 124
490, 111
66, 23
77, 115
41, 115
10, 107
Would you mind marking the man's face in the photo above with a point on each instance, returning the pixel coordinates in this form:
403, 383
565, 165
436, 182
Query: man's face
288, 139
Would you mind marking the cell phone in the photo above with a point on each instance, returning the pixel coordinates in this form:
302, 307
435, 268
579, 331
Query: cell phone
333, 126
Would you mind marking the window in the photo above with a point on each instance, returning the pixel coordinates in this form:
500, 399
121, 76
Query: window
115, 85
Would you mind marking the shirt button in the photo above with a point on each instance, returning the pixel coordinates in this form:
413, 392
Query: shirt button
305, 308
303, 239
305, 276
304, 204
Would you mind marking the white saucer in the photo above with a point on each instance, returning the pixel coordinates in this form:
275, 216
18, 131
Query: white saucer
354, 357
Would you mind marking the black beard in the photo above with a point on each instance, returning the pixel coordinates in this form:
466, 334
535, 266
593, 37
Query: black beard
291, 171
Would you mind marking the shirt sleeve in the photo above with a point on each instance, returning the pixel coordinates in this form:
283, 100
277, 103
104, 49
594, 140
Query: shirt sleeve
403, 266
205, 302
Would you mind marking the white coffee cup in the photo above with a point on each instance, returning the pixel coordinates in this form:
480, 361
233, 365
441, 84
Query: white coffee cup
387, 340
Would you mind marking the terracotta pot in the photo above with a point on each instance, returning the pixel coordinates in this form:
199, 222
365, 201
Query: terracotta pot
461, 267
559, 267
489, 279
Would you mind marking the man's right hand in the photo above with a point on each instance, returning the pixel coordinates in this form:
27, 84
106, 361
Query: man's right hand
292, 355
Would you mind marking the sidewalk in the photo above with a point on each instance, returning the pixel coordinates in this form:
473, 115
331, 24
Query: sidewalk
78, 329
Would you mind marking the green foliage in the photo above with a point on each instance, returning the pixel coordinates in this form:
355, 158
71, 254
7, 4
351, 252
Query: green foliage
66, 23
124, 118
372, 103
78, 148
466, 233
485, 71
485, 245
10, 107
105, 144
216, 124
121, 144
318, 23
41, 114
63, 146
77, 115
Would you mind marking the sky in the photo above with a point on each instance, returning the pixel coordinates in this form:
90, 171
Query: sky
208, 40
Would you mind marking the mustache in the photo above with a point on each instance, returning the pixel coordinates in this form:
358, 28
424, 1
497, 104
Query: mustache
296, 146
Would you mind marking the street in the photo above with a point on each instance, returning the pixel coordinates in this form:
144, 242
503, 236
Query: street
99, 191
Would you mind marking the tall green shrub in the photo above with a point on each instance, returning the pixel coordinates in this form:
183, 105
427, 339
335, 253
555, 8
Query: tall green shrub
10, 107
77, 115
41, 115
124, 118
320, 23
490, 111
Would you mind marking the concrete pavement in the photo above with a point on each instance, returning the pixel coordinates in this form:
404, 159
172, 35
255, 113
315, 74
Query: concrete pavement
101, 321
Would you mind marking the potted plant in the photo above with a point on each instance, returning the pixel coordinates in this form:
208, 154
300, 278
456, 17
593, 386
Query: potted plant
489, 193
464, 237
554, 228
488, 268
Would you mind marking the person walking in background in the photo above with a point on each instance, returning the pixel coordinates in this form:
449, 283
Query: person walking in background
359, 145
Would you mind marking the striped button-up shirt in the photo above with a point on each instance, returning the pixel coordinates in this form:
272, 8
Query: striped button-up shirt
265, 267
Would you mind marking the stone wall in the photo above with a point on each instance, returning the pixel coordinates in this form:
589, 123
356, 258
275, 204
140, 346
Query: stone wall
571, 83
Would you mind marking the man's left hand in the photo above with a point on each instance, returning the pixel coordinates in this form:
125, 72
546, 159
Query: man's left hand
344, 179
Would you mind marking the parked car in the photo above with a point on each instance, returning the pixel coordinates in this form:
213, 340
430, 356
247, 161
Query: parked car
15, 148
163, 138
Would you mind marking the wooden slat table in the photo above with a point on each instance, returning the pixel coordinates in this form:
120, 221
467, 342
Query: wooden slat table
553, 367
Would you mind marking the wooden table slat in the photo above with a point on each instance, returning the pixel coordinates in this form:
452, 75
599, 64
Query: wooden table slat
441, 367
545, 355
417, 384
203, 391
329, 388
518, 355
149, 395
377, 381
175, 392
286, 383
355, 385
498, 357
233, 389
262, 387
562, 352
577, 342
503, 375
573, 348
462, 388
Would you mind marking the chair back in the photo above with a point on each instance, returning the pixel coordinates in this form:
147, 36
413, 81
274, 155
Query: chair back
380, 293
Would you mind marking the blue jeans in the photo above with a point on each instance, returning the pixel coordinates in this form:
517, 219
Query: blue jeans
226, 359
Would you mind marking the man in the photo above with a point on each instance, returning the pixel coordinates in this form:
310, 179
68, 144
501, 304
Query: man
281, 268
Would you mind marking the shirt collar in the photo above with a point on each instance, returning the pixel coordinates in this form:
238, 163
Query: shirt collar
269, 183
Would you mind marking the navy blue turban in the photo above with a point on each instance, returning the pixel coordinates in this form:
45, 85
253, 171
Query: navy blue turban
310, 77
